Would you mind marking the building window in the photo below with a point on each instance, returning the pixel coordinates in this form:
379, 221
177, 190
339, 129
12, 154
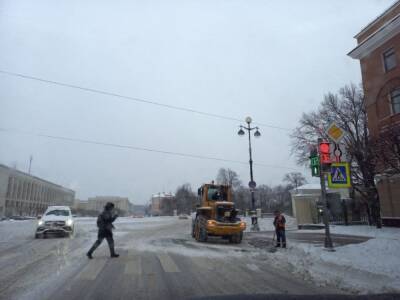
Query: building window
389, 59
395, 100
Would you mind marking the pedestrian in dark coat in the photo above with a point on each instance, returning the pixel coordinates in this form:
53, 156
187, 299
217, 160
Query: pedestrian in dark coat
279, 223
104, 223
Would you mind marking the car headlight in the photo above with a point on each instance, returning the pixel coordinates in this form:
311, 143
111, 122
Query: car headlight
69, 222
41, 222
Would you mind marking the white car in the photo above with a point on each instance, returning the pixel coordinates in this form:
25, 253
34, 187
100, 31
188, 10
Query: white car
56, 220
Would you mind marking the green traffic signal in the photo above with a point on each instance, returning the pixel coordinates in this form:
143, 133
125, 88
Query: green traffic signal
315, 171
315, 166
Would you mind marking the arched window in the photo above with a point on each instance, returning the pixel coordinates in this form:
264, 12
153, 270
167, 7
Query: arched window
395, 100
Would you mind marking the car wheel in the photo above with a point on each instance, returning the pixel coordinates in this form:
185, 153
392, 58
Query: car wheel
37, 235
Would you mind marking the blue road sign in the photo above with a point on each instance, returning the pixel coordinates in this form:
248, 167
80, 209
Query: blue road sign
339, 176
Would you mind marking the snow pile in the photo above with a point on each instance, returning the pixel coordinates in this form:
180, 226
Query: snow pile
370, 267
361, 230
370, 231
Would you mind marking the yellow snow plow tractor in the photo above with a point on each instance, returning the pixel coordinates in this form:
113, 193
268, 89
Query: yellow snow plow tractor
216, 215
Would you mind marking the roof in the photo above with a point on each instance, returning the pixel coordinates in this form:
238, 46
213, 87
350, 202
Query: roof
381, 35
377, 19
309, 186
163, 195
59, 207
34, 177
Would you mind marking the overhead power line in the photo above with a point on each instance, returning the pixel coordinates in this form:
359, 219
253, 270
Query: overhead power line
168, 106
136, 148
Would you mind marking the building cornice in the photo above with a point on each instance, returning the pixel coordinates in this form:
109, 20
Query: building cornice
378, 38
380, 17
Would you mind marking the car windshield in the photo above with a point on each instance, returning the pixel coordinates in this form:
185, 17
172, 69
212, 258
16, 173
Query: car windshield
58, 212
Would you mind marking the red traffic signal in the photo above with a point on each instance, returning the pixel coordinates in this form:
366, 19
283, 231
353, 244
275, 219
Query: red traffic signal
325, 152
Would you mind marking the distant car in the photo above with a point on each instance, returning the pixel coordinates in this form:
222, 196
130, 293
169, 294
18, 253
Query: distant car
138, 216
56, 220
19, 218
183, 217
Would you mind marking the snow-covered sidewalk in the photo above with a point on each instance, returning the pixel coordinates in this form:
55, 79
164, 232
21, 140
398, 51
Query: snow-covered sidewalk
370, 267
266, 224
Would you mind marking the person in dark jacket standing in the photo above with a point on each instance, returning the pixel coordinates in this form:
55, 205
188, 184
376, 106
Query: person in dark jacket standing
104, 223
279, 223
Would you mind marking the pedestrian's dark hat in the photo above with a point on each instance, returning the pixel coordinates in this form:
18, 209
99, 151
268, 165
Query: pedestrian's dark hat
109, 206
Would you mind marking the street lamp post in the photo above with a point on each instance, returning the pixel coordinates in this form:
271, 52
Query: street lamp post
252, 183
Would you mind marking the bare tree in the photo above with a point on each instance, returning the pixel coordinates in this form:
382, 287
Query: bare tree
264, 193
242, 198
347, 110
228, 176
294, 179
185, 199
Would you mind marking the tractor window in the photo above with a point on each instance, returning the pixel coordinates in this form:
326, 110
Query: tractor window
217, 194
213, 194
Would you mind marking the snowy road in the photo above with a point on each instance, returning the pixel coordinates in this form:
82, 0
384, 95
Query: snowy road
159, 260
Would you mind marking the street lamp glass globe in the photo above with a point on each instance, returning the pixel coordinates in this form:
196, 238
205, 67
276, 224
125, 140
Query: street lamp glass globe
240, 132
248, 120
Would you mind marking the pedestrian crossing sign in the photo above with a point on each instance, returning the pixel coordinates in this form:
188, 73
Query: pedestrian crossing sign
339, 175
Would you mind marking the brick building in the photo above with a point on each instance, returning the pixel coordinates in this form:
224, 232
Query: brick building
378, 50
26, 195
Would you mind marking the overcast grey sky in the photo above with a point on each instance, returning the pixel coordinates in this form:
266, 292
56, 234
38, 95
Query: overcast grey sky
271, 60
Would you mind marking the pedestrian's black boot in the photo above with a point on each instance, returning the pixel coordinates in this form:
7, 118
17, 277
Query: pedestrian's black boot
277, 245
89, 255
112, 250
284, 246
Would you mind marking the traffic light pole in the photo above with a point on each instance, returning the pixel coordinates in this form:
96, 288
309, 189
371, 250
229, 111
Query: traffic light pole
328, 241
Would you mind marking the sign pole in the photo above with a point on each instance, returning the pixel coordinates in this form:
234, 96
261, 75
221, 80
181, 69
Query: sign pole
328, 241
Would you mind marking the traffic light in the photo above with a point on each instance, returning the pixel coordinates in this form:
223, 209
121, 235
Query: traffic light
325, 153
314, 163
315, 171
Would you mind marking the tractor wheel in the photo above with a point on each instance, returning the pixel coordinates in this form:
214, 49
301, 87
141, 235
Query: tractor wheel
196, 233
236, 238
203, 236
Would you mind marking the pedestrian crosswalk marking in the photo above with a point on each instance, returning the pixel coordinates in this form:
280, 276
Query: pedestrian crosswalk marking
253, 267
203, 262
338, 176
92, 269
133, 267
168, 264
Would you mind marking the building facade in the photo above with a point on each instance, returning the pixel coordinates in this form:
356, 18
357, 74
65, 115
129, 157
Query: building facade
162, 204
378, 51
80, 205
26, 195
121, 203
306, 202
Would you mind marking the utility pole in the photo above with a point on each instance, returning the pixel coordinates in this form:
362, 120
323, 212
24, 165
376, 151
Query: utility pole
30, 164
